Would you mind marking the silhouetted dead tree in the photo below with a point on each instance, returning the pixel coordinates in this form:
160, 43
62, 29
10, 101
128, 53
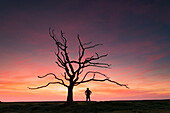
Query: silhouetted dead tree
71, 74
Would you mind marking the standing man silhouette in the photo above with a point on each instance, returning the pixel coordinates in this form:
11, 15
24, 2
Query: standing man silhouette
88, 93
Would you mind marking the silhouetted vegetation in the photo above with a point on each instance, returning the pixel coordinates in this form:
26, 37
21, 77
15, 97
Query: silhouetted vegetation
149, 106
71, 74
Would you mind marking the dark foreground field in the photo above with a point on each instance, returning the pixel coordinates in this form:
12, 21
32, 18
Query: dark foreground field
149, 106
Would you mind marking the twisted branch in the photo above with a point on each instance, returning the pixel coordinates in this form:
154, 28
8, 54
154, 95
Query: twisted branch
50, 74
94, 72
62, 82
48, 85
93, 79
65, 76
102, 81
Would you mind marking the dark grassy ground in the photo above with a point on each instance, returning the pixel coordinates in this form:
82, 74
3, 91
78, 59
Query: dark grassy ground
147, 106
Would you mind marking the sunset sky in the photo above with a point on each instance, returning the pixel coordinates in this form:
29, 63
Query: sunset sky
134, 33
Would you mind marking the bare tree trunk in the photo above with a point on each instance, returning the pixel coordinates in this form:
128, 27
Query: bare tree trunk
70, 94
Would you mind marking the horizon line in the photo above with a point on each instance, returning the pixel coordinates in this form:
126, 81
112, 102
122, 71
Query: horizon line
82, 101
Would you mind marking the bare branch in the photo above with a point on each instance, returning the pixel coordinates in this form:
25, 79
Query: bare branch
92, 46
78, 72
81, 54
52, 35
62, 47
80, 42
64, 40
102, 81
54, 76
93, 79
63, 57
87, 43
73, 61
100, 64
96, 66
59, 44
67, 60
65, 76
48, 85
59, 65
49, 74
81, 71
87, 60
59, 59
94, 72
